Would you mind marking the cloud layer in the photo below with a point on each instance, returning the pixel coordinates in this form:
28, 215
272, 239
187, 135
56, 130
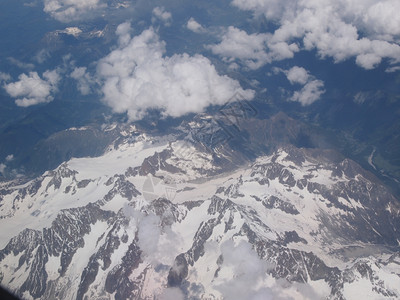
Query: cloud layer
137, 77
31, 89
367, 30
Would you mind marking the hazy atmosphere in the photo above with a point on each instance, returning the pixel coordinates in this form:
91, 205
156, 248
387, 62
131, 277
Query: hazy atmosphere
228, 149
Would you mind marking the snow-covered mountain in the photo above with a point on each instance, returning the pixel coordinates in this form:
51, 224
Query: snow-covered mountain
208, 211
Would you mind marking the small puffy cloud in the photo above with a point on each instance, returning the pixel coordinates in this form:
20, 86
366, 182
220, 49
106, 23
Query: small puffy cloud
237, 44
84, 80
312, 88
365, 30
297, 75
159, 13
3, 166
31, 89
71, 10
282, 50
194, 26
137, 77
310, 93
9, 158
253, 50
241, 273
368, 61
4, 77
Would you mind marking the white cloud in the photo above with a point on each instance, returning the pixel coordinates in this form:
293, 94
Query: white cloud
9, 157
237, 44
42, 56
393, 69
84, 80
242, 273
3, 166
194, 26
382, 17
273, 9
312, 88
137, 77
159, 13
160, 245
149, 234
366, 30
20, 64
282, 50
31, 89
4, 77
368, 61
297, 75
71, 10
310, 93
253, 50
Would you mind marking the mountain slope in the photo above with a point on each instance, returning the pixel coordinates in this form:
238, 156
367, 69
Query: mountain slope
181, 215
